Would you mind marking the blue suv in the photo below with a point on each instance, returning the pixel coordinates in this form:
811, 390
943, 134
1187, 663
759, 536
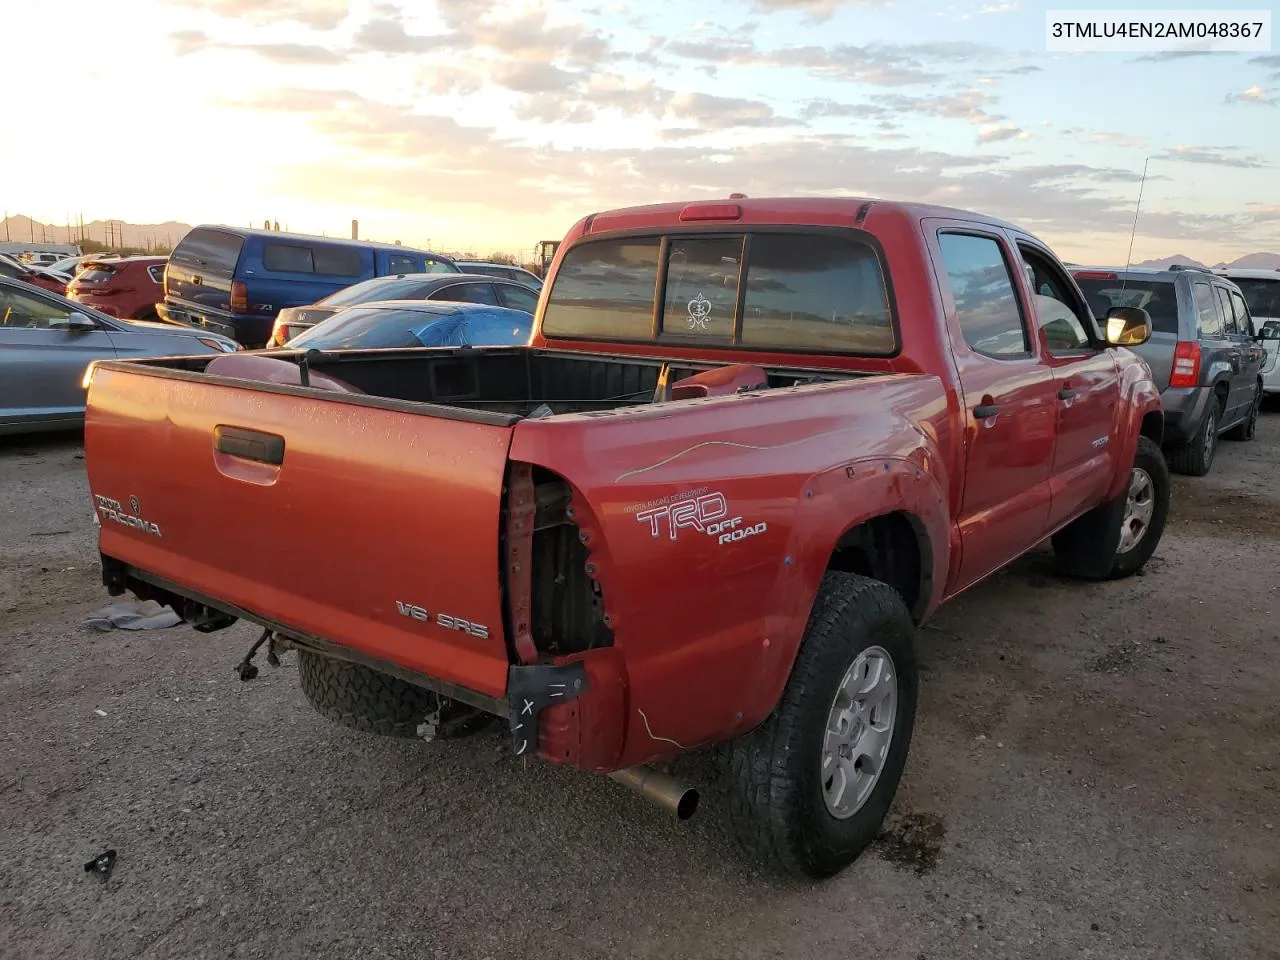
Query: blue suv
234, 281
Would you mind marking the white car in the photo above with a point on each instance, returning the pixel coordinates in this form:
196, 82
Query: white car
1261, 289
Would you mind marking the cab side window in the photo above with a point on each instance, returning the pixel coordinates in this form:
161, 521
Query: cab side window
984, 294
1060, 313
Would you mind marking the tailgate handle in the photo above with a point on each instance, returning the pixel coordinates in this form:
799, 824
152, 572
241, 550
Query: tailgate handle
249, 444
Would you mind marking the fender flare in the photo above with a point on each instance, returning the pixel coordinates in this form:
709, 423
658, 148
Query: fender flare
855, 491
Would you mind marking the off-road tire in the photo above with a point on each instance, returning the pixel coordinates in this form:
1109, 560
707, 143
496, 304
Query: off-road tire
777, 804
1249, 428
355, 696
1088, 548
1195, 458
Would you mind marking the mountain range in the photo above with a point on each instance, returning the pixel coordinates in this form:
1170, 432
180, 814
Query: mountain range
1252, 261
117, 233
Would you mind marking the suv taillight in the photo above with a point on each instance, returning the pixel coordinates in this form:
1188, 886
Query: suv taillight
1186, 364
239, 297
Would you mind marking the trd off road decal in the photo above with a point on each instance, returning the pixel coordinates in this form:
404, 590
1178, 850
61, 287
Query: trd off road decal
114, 511
706, 513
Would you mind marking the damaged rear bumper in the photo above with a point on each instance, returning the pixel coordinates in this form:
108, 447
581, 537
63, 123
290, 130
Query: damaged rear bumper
571, 710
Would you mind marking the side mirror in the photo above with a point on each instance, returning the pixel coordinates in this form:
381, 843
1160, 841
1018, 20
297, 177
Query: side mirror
1128, 326
76, 323
1270, 331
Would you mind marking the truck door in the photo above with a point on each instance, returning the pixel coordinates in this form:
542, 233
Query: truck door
1008, 396
1086, 388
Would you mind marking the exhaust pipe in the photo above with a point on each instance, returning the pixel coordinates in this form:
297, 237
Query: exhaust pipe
667, 792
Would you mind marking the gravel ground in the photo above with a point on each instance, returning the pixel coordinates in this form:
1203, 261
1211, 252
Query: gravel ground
1095, 773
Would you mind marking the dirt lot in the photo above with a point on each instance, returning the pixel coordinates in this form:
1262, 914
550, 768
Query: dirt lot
1095, 773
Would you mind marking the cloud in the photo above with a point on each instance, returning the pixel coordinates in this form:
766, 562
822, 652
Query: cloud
186, 42
1164, 56
1116, 140
444, 165
886, 65
1215, 156
815, 9
709, 112
1004, 131
1007, 7
822, 107
1255, 95
320, 14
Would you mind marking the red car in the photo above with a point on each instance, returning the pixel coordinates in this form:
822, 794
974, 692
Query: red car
751, 446
15, 270
128, 288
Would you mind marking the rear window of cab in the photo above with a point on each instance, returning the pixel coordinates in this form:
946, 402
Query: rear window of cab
820, 292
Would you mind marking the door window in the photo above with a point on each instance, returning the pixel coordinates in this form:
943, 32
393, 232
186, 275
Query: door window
1228, 315
399, 263
33, 313
469, 293
518, 298
1208, 310
1244, 322
1059, 311
982, 288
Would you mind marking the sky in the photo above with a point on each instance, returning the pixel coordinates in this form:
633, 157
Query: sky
469, 124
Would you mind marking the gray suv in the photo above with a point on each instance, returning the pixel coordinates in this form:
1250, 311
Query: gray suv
1203, 353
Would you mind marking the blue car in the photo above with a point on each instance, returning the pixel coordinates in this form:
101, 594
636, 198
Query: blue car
234, 281
417, 323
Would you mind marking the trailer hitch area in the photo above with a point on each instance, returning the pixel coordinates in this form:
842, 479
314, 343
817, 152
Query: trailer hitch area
531, 688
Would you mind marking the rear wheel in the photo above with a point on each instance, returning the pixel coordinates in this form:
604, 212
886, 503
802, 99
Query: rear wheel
812, 784
1117, 539
1196, 457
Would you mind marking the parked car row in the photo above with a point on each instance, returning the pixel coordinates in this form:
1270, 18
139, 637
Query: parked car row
1208, 351
461, 288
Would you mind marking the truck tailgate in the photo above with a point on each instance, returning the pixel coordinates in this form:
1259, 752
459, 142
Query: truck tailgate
378, 529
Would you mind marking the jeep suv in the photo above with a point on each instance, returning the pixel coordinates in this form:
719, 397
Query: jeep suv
1261, 289
1203, 353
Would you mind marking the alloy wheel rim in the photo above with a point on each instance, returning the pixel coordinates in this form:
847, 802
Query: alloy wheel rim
1139, 506
1210, 435
859, 732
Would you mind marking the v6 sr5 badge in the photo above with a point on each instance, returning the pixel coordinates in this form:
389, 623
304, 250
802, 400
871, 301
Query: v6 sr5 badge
707, 514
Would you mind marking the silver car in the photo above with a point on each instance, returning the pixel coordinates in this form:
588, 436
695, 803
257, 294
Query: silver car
47, 342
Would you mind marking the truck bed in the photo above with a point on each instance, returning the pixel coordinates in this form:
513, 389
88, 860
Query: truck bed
376, 520
493, 385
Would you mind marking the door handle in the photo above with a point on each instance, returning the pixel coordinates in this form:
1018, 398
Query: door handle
249, 444
985, 410
1066, 393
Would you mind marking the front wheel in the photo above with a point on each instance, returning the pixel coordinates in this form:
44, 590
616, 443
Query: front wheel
812, 784
1117, 539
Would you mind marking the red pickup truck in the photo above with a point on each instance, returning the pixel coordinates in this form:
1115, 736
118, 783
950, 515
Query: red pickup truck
751, 445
